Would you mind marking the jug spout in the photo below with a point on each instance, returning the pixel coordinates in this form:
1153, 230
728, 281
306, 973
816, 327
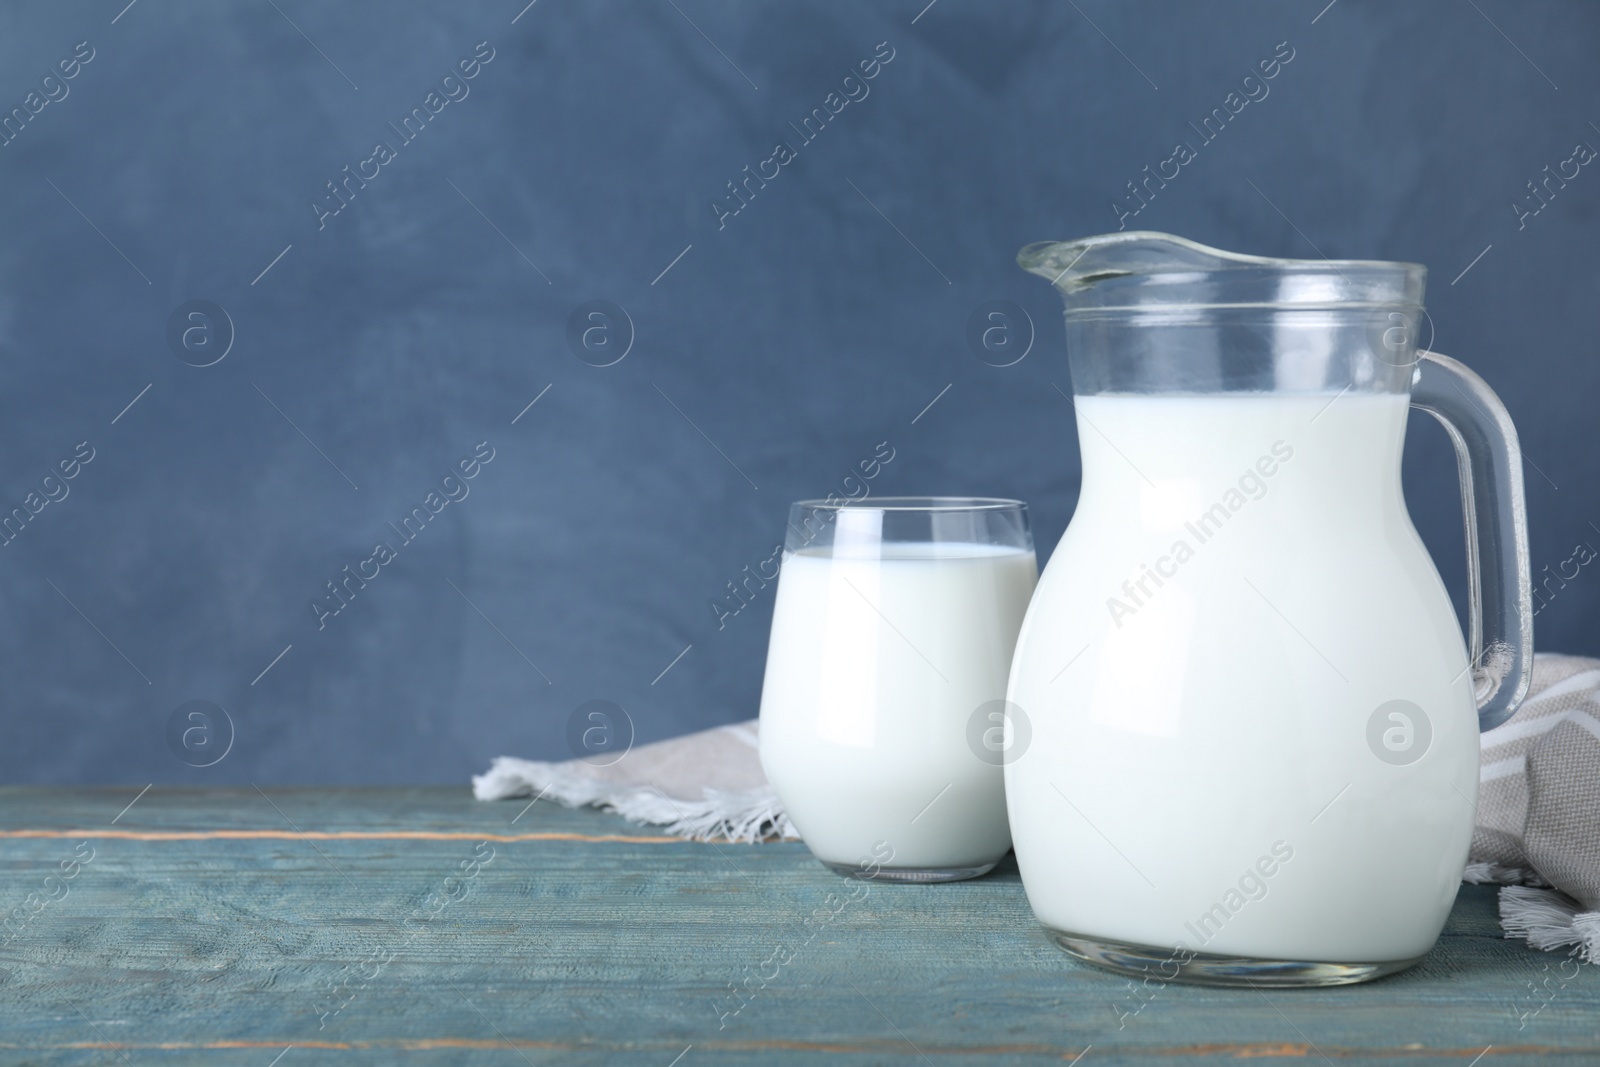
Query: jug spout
1071, 265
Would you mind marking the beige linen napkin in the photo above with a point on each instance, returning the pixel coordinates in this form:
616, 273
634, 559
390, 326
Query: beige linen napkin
1538, 831
1538, 827
702, 786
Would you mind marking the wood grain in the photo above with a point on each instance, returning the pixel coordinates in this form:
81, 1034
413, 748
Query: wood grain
225, 926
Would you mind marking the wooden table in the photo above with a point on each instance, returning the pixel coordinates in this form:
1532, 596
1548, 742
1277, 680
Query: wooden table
416, 926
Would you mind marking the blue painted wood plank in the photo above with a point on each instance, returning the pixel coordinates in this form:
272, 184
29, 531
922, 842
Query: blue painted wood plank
417, 926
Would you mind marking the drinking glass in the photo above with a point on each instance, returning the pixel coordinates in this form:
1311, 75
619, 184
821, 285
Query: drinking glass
883, 712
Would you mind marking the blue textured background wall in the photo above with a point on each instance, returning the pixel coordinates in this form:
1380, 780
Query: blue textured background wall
375, 347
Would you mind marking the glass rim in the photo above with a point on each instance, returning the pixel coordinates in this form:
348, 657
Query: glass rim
916, 503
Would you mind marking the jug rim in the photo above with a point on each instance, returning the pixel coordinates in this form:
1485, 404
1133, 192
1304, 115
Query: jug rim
1150, 263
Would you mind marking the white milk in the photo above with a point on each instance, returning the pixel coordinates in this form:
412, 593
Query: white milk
1208, 747
875, 667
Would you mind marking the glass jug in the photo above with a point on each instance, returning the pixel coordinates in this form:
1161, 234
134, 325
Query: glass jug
1254, 719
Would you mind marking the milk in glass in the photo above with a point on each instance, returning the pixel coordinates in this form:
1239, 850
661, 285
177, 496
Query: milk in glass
880, 656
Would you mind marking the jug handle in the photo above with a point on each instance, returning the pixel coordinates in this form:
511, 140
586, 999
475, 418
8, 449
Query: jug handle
1499, 585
